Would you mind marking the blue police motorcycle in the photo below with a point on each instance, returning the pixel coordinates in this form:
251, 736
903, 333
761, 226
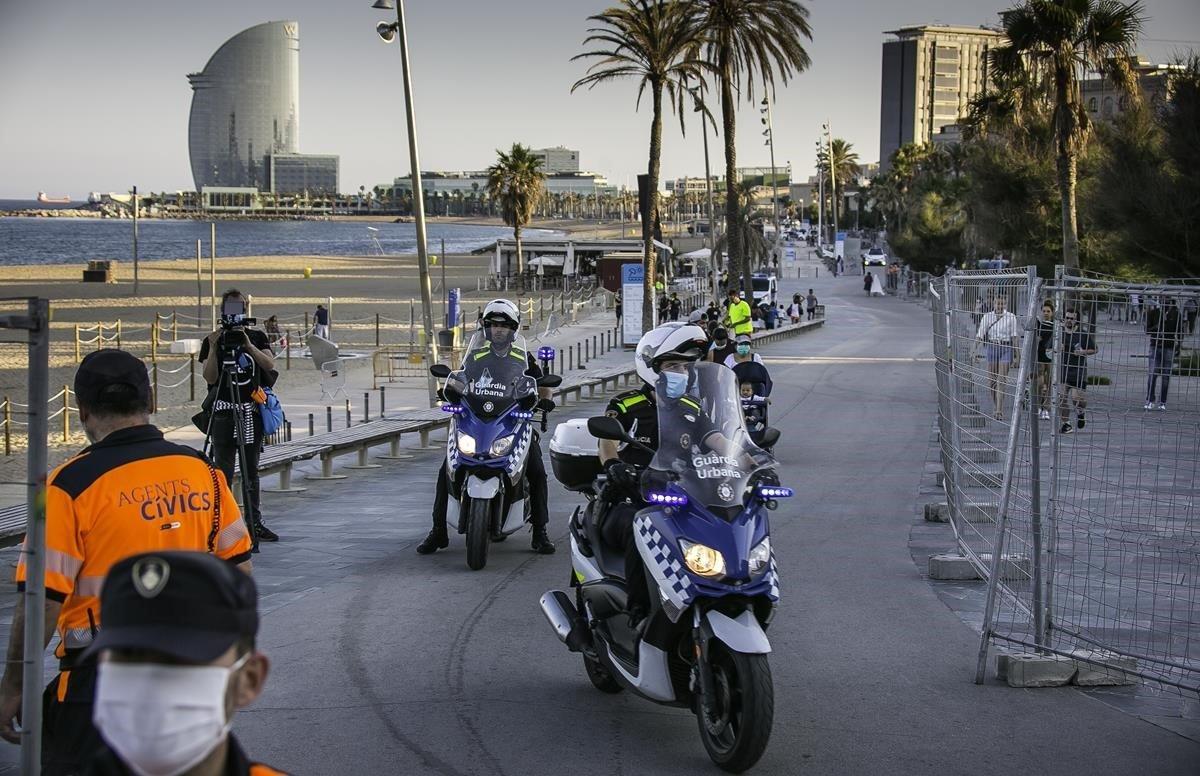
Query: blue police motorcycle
705, 543
492, 402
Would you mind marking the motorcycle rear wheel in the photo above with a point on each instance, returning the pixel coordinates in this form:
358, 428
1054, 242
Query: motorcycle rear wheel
479, 518
737, 735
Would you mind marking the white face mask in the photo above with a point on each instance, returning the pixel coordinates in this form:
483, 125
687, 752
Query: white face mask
161, 720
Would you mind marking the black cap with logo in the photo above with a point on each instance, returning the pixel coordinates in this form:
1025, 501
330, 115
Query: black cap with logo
189, 605
110, 367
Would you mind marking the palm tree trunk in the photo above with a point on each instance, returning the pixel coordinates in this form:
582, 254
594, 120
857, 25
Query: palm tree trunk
648, 264
1066, 128
1067, 177
517, 237
737, 255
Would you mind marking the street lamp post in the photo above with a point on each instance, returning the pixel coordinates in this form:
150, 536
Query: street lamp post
390, 31
712, 217
770, 134
820, 198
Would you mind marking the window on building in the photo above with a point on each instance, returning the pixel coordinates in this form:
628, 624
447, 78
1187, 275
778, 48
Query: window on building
1092, 105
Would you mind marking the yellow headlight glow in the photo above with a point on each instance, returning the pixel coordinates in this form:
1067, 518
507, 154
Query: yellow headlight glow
703, 560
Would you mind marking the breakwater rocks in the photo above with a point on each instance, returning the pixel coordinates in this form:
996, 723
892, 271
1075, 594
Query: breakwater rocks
59, 213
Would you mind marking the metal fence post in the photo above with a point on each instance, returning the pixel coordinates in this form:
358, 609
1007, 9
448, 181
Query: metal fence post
366, 406
7, 426
77, 343
66, 413
1006, 488
329, 418
311, 425
382, 400
376, 329
349, 420
34, 547
191, 377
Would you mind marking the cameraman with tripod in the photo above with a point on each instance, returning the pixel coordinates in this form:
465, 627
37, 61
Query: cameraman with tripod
241, 363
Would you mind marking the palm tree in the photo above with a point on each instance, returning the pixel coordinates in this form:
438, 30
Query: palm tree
748, 42
1058, 40
653, 42
845, 166
749, 226
516, 182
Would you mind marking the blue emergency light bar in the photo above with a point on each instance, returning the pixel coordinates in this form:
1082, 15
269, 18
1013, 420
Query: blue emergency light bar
667, 498
546, 353
775, 491
452, 408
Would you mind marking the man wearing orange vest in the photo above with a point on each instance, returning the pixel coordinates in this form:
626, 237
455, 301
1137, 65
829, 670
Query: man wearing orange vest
131, 491
178, 646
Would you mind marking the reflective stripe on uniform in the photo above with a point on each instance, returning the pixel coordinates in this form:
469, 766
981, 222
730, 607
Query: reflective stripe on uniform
89, 586
691, 403
77, 638
626, 404
231, 534
58, 562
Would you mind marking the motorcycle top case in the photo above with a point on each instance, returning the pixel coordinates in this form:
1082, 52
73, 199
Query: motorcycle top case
575, 455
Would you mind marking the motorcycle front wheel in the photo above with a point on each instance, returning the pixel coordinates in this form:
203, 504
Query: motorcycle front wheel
479, 519
736, 735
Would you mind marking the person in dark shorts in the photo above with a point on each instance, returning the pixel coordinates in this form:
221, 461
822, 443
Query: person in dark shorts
1077, 345
1045, 362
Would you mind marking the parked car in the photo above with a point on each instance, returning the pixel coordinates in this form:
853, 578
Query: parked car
875, 257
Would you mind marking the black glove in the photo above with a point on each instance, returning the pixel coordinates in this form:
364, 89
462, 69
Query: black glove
767, 477
656, 480
546, 405
621, 475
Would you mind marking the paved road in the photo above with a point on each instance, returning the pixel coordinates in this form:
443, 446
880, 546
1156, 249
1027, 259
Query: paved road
386, 662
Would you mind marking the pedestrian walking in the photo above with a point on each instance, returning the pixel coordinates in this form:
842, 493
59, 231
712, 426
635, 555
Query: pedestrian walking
999, 333
1164, 326
868, 279
274, 335
675, 306
722, 346
1045, 358
738, 316
1190, 308
130, 491
178, 644
617, 306
1135, 307
321, 322
1077, 345
810, 302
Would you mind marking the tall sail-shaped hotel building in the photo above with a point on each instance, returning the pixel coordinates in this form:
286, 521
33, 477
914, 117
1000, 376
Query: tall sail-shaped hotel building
246, 107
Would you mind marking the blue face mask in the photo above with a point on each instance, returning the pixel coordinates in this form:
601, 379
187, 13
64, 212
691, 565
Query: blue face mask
676, 384
743, 350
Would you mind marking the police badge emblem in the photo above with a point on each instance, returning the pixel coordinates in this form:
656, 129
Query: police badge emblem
685, 440
725, 492
488, 406
150, 576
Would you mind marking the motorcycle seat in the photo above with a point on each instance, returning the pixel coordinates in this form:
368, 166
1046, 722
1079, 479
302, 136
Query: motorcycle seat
609, 558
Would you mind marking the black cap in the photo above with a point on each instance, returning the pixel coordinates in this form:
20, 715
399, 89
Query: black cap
105, 368
190, 605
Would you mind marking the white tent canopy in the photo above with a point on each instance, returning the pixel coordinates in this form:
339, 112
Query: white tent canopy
545, 261
703, 253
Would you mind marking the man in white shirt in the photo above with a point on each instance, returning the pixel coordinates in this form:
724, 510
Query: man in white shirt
1000, 333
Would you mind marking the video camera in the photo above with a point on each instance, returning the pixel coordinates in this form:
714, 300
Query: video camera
233, 315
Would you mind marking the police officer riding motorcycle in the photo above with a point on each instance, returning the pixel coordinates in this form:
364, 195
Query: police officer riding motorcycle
489, 358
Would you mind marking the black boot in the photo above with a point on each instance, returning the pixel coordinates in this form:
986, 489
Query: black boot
265, 534
436, 540
541, 543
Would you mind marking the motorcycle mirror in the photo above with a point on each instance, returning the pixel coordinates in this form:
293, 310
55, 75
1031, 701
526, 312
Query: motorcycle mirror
440, 371
604, 427
769, 437
549, 381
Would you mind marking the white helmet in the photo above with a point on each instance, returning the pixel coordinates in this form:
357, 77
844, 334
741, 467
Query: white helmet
507, 315
502, 310
677, 341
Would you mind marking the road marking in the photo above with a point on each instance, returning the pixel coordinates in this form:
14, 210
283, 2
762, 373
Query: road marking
845, 360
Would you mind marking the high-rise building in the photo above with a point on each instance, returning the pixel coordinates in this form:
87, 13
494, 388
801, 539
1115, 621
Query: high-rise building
930, 75
558, 160
311, 174
246, 105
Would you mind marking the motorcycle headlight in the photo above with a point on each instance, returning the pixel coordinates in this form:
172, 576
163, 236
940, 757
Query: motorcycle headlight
760, 557
502, 445
702, 560
466, 444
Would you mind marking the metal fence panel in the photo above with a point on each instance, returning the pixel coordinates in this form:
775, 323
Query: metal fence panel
1069, 489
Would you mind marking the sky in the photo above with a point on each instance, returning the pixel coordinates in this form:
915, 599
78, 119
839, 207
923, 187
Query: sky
94, 95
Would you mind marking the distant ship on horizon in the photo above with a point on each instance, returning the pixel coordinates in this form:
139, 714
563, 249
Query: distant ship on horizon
43, 197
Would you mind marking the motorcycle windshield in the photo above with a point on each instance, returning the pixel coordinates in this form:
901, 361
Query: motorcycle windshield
492, 374
702, 436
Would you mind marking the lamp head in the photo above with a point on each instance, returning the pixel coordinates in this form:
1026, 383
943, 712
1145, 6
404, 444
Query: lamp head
386, 30
384, 5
